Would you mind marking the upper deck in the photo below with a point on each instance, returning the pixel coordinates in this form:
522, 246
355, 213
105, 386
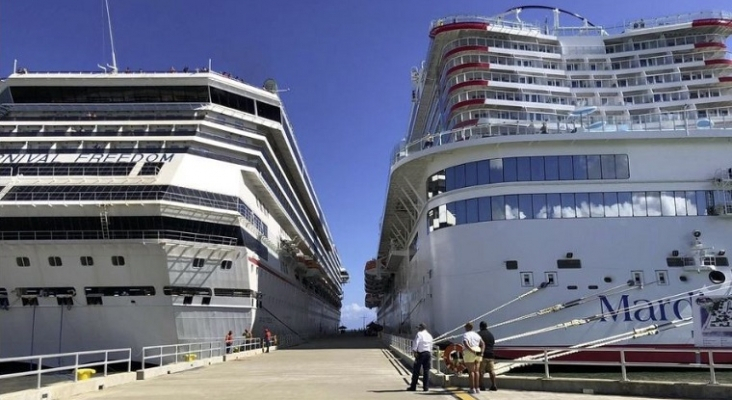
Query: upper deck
111, 112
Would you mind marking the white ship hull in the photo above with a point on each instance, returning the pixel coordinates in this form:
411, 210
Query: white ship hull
195, 228
491, 213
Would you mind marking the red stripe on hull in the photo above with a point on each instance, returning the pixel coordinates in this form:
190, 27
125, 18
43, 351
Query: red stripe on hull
456, 50
479, 82
725, 79
712, 22
471, 102
456, 26
710, 44
468, 65
641, 354
718, 62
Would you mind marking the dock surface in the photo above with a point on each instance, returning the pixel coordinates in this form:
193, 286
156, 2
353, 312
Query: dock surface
343, 367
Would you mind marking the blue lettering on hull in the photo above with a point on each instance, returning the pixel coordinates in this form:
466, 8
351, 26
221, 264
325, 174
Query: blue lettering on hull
642, 310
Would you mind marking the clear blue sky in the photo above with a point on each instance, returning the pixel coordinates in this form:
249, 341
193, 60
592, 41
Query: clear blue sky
346, 63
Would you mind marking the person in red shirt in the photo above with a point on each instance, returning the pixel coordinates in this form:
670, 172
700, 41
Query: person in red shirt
229, 341
267, 339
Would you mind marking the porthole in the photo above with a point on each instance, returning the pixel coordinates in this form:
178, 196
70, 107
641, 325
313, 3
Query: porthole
717, 277
608, 279
683, 278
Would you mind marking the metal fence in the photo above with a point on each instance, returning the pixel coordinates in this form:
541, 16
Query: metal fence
69, 362
184, 352
552, 357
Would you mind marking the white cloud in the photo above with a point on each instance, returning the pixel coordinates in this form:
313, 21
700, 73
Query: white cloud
352, 316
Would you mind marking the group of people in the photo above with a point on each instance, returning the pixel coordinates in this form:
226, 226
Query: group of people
477, 355
247, 335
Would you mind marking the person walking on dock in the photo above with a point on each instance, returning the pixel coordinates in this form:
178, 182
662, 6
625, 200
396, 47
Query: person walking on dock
229, 341
487, 365
267, 340
422, 351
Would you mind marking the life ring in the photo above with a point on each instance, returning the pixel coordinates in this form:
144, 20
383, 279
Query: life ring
453, 358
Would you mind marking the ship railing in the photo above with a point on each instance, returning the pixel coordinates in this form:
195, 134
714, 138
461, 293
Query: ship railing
61, 364
639, 23
491, 21
625, 357
157, 235
120, 195
690, 122
667, 20
182, 352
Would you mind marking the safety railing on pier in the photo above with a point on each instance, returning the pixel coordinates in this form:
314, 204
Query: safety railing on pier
704, 358
70, 362
184, 352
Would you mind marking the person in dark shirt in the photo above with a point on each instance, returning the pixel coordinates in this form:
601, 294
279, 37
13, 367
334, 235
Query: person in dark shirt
487, 364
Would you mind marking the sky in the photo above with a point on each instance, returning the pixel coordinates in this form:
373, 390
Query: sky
345, 65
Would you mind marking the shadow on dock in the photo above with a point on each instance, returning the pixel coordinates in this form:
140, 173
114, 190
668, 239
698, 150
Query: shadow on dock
355, 340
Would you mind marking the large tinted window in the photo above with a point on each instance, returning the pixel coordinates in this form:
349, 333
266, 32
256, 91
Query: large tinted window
571, 205
522, 169
112, 94
269, 111
232, 100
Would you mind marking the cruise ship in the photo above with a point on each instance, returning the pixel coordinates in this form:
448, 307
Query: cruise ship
153, 208
566, 183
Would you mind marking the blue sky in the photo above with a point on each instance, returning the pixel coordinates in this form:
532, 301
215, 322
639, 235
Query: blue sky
345, 62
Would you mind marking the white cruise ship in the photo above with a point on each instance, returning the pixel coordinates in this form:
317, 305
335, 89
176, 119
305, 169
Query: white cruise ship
141, 209
565, 182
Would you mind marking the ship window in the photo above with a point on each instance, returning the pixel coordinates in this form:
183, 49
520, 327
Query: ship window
206, 301
569, 263
592, 287
186, 291
226, 264
661, 278
151, 168
511, 264
54, 261
527, 279
187, 300
94, 300
572, 287
65, 301
118, 260
722, 262
22, 261
86, 261
637, 277
29, 301
199, 262
117, 291
4, 301
550, 278
230, 292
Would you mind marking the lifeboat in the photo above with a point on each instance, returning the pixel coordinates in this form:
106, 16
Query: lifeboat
373, 268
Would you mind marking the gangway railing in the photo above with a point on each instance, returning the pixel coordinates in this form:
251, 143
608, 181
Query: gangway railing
704, 358
69, 362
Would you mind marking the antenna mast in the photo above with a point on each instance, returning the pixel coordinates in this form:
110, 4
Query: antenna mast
111, 39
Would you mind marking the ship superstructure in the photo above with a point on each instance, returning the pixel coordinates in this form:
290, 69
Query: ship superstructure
585, 166
153, 208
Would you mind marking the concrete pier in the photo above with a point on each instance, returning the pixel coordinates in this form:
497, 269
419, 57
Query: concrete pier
351, 367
